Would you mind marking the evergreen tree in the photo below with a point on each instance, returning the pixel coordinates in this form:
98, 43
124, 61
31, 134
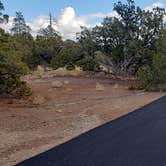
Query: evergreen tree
3, 17
49, 31
88, 47
19, 24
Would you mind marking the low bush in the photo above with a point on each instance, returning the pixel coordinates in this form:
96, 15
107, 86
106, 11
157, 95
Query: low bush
154, 76
88, 63
10, 77
70, 67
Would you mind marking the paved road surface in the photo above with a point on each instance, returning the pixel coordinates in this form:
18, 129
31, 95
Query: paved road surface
137, 139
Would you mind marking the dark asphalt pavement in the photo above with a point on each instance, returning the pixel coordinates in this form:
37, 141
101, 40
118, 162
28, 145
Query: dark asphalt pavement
137, 139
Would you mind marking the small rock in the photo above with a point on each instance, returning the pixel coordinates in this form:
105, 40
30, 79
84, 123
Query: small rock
66, 82
68, 89
116, 86
59, 111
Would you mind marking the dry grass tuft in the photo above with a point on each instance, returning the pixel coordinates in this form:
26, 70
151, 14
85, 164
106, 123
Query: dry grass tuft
99, 87
56, 84
65, 72
38, 100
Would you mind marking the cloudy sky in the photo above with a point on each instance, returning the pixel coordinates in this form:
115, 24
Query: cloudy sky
69, 14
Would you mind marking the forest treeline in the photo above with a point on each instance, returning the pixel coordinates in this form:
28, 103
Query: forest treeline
132, 44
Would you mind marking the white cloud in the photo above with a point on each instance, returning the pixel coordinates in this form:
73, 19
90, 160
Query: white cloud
100, 15
39, 22
165, 19
154, 5
68, 22
7, 26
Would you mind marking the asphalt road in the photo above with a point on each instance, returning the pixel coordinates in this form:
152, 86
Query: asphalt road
137, 139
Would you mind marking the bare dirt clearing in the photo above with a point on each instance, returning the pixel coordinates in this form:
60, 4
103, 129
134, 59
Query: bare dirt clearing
27, 129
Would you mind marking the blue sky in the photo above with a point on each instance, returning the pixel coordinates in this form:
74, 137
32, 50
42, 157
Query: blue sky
70, 14
33, 8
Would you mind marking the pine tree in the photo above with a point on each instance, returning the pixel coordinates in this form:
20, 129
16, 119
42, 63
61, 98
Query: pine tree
49, 31
19, 24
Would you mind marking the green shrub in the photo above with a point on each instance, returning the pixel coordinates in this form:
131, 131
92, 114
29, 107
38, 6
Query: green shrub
56, 62
67, 56
23, 89
88, 63
10, 77
70, 67
155, 75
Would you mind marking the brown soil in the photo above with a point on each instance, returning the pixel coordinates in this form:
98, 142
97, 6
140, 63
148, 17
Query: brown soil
27, 129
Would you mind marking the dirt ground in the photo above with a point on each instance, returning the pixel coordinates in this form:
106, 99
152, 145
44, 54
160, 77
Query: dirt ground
27, 129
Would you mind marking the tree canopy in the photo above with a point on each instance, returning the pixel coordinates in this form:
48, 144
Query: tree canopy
134, 43
19, 25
